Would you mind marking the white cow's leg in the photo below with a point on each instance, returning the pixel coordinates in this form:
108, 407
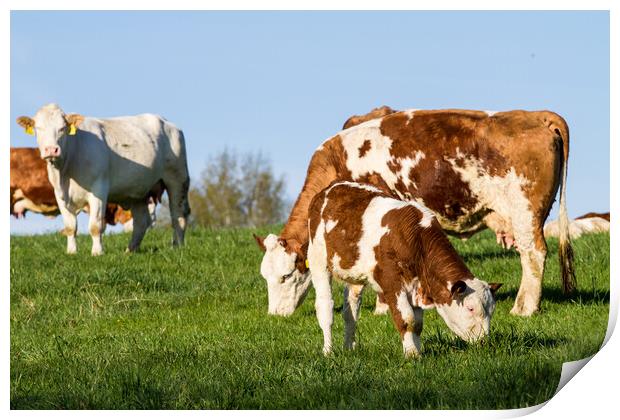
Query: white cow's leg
96, 224
141, 222
533, 249
321, 280
70, 221
324, 306
179, 208
381, 308
351, 312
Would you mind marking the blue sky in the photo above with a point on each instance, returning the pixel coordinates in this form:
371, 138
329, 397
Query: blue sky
282, 82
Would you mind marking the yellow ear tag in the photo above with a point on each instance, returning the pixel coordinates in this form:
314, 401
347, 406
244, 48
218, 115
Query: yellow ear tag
307, 265
30, 130
72, 130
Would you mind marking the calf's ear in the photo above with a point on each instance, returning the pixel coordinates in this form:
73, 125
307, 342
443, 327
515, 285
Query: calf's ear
27, 123
458, 289
260, 242
494, 287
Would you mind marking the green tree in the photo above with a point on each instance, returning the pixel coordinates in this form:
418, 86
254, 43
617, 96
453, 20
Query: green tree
237, 190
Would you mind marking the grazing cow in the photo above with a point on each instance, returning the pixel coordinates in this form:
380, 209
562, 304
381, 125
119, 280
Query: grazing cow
363, 236
92, 160
472, 169
588, 223
31, 190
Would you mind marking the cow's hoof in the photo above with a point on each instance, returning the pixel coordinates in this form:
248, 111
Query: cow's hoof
521, 310
350, 346
381, 309
96, 253
71, 251
327, 351
412, 354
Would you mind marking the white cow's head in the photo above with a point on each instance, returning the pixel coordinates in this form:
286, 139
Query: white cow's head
470, 311
51, 126
288, 279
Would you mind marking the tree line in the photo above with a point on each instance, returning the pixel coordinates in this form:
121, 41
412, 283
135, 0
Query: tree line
234, 190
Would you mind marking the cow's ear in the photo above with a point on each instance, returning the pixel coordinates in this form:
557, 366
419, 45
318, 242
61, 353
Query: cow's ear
494, 287
27, 123
73, 121
302, 258
260, 242
458, 289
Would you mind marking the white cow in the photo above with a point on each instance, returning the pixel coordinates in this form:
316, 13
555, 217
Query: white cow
93, 160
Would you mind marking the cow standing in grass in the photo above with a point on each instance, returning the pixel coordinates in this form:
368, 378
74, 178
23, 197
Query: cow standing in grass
31, 190
363, 236
472, 169
123, 159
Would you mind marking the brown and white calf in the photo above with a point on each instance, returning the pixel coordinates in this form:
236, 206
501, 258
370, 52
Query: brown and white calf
472, 169
31, 190
588, 223
364, 236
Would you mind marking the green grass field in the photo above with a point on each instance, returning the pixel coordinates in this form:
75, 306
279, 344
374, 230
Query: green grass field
188, 328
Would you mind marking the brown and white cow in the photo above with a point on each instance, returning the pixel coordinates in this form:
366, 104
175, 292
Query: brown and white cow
31, 190
363, 236
588, 223
472, 169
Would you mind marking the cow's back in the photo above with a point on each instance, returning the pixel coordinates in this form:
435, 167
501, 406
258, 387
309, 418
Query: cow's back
439, 156
134, 152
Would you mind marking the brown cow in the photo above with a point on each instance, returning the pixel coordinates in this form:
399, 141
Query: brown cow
31, 190
472, 169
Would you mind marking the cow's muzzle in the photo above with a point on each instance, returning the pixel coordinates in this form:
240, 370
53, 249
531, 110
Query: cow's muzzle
51, 153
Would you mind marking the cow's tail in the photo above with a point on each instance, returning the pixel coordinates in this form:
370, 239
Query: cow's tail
569, 283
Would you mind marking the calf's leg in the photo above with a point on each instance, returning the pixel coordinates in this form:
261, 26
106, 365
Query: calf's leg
351, 312
324, 306
408, 321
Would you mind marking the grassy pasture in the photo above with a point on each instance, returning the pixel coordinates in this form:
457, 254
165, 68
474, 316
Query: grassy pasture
188, 328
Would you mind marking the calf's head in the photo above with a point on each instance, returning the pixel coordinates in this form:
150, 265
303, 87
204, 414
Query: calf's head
51, 127
470, 310
284, 269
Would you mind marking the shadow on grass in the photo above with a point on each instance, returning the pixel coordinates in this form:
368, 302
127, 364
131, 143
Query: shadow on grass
473, 256
29, 402
584, 297
512, 342
555, 295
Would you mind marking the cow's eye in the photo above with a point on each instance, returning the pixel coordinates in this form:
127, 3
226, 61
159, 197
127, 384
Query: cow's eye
287, 276
470, 309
